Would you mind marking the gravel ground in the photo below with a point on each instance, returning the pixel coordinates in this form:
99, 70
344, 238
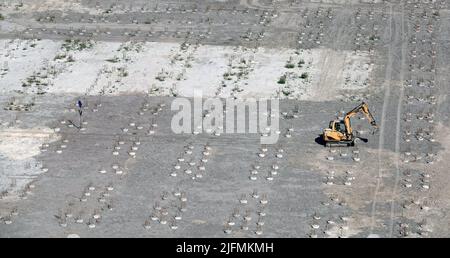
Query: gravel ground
116, 176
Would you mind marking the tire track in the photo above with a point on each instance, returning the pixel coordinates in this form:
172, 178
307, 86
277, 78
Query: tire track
330, 62
397, 130
387, 94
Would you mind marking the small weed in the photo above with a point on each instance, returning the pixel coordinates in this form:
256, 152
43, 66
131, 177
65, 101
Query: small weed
301, 63
282, 79
289, 65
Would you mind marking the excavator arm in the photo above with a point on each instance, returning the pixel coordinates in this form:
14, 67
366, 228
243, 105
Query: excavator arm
364, 108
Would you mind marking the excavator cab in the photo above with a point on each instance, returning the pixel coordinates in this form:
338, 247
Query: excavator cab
336, 134
339, 126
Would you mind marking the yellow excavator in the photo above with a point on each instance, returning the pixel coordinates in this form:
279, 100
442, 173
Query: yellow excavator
340, 132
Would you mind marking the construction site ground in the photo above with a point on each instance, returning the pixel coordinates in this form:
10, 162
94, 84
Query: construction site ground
125, 173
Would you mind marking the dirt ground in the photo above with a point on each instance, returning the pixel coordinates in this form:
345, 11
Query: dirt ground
126, 174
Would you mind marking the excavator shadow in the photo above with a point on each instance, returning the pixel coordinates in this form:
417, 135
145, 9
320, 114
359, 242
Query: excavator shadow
319, 140
365, 140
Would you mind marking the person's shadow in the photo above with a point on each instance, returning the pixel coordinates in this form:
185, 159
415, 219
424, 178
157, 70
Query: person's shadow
76, 126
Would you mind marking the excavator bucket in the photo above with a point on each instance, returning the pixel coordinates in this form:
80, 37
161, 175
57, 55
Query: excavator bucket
375, 127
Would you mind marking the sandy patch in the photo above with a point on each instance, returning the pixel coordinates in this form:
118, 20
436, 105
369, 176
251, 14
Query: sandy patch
18, 147
84, 71
20, 144
21, 58
172, 69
